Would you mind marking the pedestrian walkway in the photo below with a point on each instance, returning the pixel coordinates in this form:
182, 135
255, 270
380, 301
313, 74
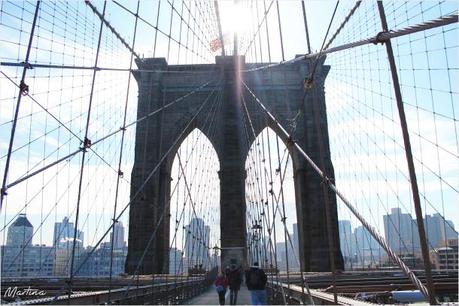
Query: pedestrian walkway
210, 297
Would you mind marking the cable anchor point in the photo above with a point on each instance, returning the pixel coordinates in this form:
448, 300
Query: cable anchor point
27, 65
86, 144
326, 180
380, 38
24, 88
290, 141
308, 82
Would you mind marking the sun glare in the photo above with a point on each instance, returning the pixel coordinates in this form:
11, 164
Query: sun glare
235, 18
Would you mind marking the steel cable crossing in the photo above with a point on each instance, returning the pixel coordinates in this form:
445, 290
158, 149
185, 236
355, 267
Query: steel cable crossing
121, 129
256, 198
139, 190
260, 173
332, 187
69, 157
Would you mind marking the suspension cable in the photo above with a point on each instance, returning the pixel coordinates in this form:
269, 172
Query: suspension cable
327, 181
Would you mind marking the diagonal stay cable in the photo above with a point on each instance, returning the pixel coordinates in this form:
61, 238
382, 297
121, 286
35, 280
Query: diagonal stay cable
153, 235
139, 190
112, 29
263, 20
23, 88
210, 118
379, 38
147, 179
210, 127
345, 21
317, 58
326, 180
108, 135
282, 215
61, 124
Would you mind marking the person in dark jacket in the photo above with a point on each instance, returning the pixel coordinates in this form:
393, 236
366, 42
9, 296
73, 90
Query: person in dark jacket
234, 280
256, 283
221, 283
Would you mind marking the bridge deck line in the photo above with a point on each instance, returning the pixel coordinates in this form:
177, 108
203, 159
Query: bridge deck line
210, 297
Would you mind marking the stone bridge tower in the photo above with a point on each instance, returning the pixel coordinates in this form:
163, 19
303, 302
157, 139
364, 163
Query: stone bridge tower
281, 90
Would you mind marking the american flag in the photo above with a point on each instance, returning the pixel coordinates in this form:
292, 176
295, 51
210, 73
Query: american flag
215, 45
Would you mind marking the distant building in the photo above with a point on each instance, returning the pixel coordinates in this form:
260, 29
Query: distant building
176, 262
90, 264
29, 261
63, 256
413, 261
364, 239
20, 233
197, 240
367, 250
65, 230
401, 232
19, 257
438, 229
118, 242
445, 257
448, 231
296, 240
283, 256
346, 240
98, 264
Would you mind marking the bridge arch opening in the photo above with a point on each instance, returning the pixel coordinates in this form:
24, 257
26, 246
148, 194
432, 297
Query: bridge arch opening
194, 236
271, 220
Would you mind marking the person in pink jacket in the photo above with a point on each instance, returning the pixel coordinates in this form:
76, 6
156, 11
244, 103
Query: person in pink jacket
221, 283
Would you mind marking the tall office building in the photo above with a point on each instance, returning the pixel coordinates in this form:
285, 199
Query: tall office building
20, 257
29, 261
346, 239
63, 231
20, 232
438, 230
433, 226
401, 232
176, 262
296, 240
118, 241
197, 241
364, 239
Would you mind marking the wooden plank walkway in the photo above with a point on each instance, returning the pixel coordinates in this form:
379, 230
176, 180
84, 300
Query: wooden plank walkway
210, 297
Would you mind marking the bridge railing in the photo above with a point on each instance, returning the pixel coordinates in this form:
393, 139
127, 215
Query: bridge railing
175, 292
282, 293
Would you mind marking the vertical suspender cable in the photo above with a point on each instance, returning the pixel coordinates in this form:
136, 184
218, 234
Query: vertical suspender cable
283, 217
120, 173
306, 26
235, 33
156, 32
170, 31
86, 145
267, 30
409, 158
23, 90
217, 13
414, 279
280, 30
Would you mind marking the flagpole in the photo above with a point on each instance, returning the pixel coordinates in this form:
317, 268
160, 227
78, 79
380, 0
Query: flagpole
217, 13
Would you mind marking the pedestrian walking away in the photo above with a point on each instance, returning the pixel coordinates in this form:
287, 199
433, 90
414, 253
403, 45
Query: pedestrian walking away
221, 284
234, 280
256, 283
